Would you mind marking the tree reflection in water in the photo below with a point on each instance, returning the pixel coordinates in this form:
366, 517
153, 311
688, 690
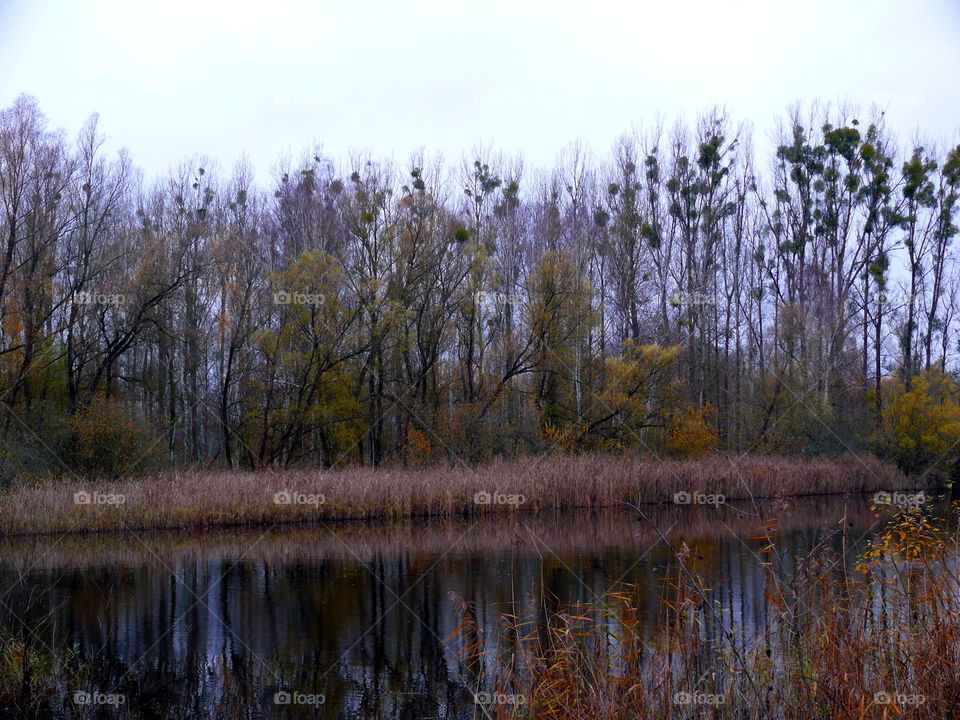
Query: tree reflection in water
216, 625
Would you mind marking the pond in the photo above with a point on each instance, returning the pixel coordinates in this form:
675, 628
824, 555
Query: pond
362, 621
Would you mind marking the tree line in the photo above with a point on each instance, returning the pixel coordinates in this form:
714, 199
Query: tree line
676, 295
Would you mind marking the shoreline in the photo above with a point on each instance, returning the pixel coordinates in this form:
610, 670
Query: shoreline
202, 499
574, 530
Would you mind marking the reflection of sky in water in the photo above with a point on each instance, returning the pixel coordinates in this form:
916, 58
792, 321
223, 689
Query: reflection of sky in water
317, 612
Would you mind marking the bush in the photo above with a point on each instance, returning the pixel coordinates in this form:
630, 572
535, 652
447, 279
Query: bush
920, 425
107, 440
419, 451
692, 432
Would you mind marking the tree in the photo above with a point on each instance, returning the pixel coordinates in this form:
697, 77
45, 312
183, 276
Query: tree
920, 426
306, 408
678, 294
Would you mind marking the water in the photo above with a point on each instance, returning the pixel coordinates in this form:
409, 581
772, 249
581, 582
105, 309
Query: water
361, 621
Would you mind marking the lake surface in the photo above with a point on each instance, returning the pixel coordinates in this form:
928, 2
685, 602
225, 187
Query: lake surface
361, 621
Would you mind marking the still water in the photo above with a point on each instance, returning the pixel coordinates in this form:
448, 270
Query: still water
360, 621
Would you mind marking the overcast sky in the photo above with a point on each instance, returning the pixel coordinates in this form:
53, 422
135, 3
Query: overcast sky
173, 78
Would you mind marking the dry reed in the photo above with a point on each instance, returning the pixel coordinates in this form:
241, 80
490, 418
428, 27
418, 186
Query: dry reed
874, 641
197, 498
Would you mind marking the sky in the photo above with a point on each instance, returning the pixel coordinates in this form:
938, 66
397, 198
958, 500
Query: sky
219, 78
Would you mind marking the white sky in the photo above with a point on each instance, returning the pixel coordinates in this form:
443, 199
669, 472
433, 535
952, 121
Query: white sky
174, 78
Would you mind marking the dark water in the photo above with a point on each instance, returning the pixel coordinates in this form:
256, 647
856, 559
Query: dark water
359, 621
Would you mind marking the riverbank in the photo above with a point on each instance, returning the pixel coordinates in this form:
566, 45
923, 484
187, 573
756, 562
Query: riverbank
206, 499
567, 533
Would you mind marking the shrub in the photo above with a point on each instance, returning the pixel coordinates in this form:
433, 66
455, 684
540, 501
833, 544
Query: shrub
692, 432
419, 450
920, 424
107, 440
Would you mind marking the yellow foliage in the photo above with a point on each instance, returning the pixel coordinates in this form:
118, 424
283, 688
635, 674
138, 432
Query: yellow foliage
630, 396
920, 426
569, 438
910, 536
692, 432
638, 387
638, 376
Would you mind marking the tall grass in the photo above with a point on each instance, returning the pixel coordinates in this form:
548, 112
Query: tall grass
195, 498
33, 676
876, 640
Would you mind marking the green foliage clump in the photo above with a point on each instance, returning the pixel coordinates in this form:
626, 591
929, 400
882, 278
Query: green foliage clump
920, 423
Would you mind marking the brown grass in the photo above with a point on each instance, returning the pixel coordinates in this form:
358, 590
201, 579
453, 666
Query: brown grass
197, 499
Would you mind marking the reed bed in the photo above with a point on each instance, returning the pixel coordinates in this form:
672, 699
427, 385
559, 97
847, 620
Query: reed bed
875, 639
203, 499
